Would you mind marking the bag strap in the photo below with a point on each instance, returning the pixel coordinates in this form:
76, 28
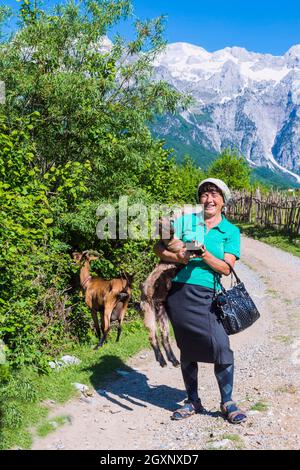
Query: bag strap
233, 271
218, 277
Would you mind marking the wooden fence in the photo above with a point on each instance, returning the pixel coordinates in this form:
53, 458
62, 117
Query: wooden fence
278, 210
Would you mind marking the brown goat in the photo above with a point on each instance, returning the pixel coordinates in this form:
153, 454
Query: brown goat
154, 292
109, 297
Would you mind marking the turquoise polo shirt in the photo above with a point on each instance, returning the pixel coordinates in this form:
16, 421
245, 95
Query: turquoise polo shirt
221, 239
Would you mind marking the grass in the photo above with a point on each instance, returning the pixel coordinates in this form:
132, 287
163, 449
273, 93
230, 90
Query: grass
24, 395
232, 437
273, 293
259, 406
50, 425
285, 339
237, 442
290, 388
235, 439
280, 239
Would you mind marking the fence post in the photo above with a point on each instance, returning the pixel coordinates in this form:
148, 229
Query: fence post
257, 205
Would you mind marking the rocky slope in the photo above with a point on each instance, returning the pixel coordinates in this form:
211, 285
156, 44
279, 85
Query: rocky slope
243, 99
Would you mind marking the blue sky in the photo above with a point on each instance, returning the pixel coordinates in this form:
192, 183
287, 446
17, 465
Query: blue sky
259, 25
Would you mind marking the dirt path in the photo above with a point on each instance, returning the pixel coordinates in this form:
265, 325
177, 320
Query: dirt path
134, 411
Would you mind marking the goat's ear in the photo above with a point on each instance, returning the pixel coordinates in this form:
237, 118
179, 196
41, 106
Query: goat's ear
165, 228
76, 256
92, 257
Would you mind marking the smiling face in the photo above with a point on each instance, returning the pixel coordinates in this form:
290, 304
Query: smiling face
212, 199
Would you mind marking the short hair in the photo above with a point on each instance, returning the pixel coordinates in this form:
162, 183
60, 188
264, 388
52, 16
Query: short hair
209, 187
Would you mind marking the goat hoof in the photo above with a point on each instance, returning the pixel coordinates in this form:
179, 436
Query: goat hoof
176, 363
163, 364
98, 346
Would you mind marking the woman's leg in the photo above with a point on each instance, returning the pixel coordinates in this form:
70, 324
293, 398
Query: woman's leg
224, 376
190, 377
193, 404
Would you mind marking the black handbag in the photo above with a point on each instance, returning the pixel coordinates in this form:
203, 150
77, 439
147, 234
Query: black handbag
235, 308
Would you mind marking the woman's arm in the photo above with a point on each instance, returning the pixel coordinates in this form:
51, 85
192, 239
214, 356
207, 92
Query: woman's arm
217, 264
182, 257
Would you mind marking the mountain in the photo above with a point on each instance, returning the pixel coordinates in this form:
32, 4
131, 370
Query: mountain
242, 99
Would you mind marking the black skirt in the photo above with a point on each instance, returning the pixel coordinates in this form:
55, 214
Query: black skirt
199, 334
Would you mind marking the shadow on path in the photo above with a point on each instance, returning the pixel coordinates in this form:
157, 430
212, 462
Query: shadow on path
130, 388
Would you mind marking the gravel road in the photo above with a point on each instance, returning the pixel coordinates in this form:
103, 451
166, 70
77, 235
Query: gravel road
133, 412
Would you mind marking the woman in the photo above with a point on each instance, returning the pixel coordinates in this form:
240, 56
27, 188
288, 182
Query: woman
199, 334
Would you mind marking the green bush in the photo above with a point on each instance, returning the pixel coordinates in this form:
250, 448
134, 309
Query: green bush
74, 135
232, 168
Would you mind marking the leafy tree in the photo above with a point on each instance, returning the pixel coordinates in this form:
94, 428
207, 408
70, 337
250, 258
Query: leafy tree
188, 176
92, 100
232, 168
74, 134
34, 274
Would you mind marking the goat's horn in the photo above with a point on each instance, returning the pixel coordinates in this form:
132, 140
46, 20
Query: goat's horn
86, 252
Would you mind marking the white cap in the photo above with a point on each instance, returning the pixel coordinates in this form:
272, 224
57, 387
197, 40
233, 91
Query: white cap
220, 184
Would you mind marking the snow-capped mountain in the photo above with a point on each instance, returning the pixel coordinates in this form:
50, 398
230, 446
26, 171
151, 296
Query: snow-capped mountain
243, 99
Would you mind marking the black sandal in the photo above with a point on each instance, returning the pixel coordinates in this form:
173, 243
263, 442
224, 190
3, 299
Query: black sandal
232, 412
188, 409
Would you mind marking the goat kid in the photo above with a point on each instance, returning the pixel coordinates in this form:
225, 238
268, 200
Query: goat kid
109, 297
154, 292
